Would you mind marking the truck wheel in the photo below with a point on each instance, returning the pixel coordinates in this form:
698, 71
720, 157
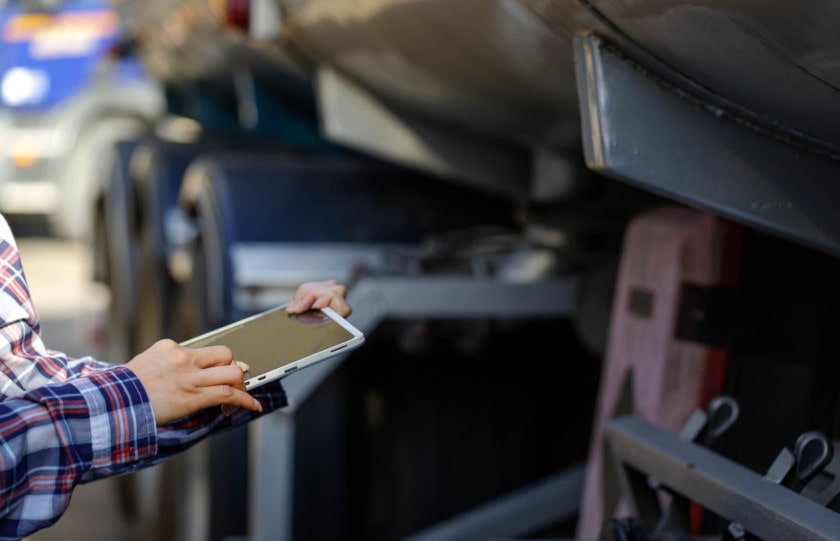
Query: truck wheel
142, 177
84, 175
115, 250
157, 194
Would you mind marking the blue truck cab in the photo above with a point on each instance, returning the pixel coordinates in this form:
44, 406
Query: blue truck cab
69, 88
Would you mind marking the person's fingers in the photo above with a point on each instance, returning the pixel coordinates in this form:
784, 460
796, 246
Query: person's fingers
224, 385
230, 374
208, 356
337, 303
308, 291
226, 408
302, 300
180, 380
227, 396
319, 295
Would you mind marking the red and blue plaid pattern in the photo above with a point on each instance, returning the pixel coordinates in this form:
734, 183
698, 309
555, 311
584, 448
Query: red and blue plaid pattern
65, 421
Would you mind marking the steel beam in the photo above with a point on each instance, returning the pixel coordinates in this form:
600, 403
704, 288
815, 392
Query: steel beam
638, 129
734, 492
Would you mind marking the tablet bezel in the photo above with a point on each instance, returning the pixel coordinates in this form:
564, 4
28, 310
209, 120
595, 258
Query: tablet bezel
257, 378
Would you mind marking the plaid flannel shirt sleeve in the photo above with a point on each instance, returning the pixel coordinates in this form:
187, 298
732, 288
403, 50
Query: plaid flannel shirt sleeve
57, 436
53, 435
65, 421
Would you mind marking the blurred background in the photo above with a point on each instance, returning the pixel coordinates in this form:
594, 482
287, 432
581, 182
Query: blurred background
163, 166
68, 91
523, 273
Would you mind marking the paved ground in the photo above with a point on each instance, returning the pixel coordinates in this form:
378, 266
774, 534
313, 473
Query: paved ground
72, 311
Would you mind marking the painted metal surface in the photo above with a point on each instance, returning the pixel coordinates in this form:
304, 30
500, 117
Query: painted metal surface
506, 66
639, 131
776, 60
495, 66
483, 62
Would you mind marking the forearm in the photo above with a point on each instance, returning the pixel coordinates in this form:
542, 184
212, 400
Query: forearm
179, 436
182, 434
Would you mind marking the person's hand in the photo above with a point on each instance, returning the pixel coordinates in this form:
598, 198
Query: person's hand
320, 295
181, 380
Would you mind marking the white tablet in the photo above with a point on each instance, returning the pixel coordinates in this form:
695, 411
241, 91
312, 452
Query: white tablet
275, 343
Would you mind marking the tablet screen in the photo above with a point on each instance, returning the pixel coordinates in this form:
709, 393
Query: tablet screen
275, 339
